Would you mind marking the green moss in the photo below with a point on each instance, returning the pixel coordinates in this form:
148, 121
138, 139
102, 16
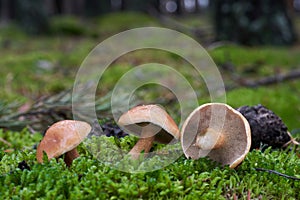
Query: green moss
242, 56
19, 140
31, 68
11, 31
89, 178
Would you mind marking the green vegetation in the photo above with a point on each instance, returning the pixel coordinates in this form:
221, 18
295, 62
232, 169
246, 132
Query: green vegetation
89, 178
265, 59
33, 67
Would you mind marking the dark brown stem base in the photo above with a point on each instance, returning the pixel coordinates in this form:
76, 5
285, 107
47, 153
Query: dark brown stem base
70, 156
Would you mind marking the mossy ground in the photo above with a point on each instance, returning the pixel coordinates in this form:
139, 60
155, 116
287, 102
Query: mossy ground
32, 67
89, 178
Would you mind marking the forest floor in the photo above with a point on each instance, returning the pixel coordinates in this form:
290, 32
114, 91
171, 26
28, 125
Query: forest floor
36, 67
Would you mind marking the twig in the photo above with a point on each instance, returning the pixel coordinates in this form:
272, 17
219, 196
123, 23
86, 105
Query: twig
278, 173
234, 196
293, 141
249, 194
5, 142
268, 80
291, 75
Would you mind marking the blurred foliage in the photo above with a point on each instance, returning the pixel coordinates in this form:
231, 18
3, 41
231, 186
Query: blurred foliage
51, 63
261, 58
253, 22
67, 25
123, 22
25, 139
99, 26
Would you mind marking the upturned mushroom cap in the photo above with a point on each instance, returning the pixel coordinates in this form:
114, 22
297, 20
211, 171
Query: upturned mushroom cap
62, 137
153, 118
225, 134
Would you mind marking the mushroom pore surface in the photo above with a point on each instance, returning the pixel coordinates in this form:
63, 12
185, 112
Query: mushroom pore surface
223, 135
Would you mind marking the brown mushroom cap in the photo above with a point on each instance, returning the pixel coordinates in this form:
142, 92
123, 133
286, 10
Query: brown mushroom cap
153, 118
227, 142
62, 137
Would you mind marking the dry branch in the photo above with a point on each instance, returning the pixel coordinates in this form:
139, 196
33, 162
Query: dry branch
269, 80
5, 142
277, 173
45, 111
241, 81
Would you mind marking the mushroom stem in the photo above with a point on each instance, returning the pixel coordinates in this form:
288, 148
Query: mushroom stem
142, 144
206, 140
70, 156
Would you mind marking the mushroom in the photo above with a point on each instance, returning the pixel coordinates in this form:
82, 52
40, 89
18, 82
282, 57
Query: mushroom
218, 131
62, 138
152, 124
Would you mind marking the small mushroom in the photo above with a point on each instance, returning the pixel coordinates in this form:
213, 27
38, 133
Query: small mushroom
218, 131
62, 138
151, 123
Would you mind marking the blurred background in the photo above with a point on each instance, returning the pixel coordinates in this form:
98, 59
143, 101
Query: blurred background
43, 43
246, 22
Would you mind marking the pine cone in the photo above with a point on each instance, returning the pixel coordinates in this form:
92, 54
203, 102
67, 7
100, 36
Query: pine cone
267, 128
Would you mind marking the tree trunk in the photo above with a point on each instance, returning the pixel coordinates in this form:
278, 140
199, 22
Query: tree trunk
96, 7
67, 7
5, 14
31, 16
253, 22
50, 7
